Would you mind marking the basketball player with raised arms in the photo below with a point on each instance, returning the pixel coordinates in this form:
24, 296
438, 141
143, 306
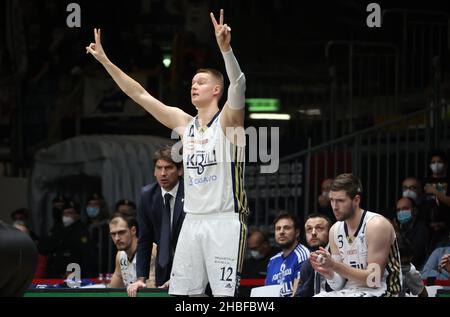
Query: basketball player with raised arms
212, 239
364, 259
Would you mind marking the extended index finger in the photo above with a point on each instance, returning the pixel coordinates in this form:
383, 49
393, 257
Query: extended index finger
221, 17
213, 19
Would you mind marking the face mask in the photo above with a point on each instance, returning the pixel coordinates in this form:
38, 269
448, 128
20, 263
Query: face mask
410, 194
67, 221
326, 194
256, 254
437, 168
404, 216
92, 212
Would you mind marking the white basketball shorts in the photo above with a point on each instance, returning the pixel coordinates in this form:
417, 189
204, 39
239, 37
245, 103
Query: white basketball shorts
210, 248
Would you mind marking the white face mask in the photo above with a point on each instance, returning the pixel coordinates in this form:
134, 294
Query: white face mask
437, 168
410, 194
67, 221
256, 254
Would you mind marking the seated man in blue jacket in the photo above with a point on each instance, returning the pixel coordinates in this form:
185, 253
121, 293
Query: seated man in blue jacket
284, 267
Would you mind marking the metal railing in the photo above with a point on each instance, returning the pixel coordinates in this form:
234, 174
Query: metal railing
422, 35
381, 156
364, 82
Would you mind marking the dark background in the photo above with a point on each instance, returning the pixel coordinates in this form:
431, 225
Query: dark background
281, 47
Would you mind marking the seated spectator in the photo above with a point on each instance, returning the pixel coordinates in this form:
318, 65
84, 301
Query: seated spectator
41, 260
413, 229
57, 204
20, 217
433, 267
284, 267
437, 192
103, 251
67, 244
324, 200
412, 188
412, 283
126, 207
255, 267
317, 227
20, 214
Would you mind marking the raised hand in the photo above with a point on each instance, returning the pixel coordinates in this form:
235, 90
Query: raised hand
96, 48
222, 31
322, 262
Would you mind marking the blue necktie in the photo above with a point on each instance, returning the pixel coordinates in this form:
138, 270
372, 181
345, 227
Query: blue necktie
165, 240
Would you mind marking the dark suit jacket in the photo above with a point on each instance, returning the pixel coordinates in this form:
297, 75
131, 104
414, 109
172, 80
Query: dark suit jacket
307, 280
149, 214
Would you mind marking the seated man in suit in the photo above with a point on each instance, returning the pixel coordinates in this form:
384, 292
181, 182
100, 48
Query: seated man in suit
317, 227
160, 216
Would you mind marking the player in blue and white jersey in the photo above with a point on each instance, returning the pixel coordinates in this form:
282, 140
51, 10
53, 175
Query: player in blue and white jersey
284, 267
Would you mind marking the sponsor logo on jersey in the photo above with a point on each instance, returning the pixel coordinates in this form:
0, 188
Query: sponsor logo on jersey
200, 160
352, 251
280, 276
201, 180
191, 142
286, 289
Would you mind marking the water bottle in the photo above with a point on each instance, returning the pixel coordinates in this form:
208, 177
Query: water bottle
100, 279
108, 278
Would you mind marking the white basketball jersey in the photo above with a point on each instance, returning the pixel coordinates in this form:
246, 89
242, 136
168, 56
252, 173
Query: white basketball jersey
127, 268
353, 252
213, 170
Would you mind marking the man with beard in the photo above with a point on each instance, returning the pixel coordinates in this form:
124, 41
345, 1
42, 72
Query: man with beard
123, 231
317, 227
364, 259
284, 267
